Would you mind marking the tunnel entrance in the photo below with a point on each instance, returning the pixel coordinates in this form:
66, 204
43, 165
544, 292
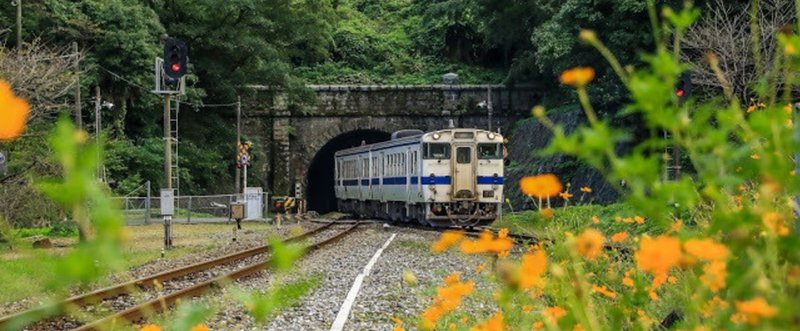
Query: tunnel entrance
320, 194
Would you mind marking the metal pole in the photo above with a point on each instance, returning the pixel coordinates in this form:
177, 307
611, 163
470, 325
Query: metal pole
244, 180
489, 105
167, 168
189, 211
238, 140
167, 144
147, 205
98, 128
19, 24
78, 118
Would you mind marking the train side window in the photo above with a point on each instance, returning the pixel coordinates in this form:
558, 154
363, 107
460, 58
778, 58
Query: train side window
437, 151
490, 151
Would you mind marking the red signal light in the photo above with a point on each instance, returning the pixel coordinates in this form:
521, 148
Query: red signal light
176, 67
680, 92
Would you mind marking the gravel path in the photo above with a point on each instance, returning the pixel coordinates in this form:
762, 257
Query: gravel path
383, 294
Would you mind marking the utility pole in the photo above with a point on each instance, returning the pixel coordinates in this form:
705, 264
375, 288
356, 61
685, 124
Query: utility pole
238, 142
98, 129
797, 164
78, 119
489, 105
19, 23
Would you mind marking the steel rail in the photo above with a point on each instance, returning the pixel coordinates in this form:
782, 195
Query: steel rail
146, 282
135, 313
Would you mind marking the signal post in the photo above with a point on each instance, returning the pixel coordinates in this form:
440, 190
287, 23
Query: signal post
169, 81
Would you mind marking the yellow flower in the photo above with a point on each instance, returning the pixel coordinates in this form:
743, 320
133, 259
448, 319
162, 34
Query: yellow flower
527, 308
493, 324
577, 77
755, 156
590, 243
657, 256
672, 280
448, 239
789, 49
754, 310
538, 111
706, 249
586, 189
14, 113
409, 278
531, 269
200, 327
638, 219
553, 314
565, 195
714, 275
619, 236
604, 291
540, 186
150, 327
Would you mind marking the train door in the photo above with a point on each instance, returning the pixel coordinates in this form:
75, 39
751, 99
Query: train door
463, 172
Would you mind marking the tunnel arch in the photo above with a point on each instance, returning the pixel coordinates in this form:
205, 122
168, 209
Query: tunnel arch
320, 193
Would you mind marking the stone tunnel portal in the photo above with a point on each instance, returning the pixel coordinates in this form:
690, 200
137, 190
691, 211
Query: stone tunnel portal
320, 194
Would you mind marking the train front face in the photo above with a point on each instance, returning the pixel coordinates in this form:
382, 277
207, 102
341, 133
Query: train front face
463, 176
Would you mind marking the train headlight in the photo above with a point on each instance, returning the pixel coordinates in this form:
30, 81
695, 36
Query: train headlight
436, 136
491, 135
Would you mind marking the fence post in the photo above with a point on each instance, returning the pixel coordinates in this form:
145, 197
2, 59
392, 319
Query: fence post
147, 205
189, 220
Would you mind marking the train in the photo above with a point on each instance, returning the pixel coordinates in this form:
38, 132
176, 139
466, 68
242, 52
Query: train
449, 177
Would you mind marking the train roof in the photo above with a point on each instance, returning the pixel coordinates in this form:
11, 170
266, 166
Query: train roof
398, 142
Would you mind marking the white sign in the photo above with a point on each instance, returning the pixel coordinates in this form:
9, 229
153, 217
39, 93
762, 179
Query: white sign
253, 197
167, 201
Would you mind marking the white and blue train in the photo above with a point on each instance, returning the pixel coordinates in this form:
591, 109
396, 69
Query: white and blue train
442, 178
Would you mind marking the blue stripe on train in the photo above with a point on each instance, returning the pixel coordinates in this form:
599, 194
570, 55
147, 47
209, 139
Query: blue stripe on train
438, 180
490, 180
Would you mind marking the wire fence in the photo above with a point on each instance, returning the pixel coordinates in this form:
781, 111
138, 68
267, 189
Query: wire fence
188, 209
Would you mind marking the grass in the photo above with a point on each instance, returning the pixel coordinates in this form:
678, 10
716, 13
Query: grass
27, 272
574, 219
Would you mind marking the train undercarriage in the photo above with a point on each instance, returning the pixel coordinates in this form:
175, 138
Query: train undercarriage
438, 214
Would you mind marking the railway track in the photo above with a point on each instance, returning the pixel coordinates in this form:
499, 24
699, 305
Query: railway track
136, 312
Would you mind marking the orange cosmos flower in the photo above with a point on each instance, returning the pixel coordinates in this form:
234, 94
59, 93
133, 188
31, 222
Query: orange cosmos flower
452, 278
714, 275
553, 314
486, 243
14, 113
619, 236
547, 213
590, 243
604, 291
150, 327
595, 220
774, 223
577, 77
531, 269
448, 239
638, 219
540, 186
586, 189
706, 249
755, 156
493, 324
754, 310
565, 195
200, 327
712, 306
657, 256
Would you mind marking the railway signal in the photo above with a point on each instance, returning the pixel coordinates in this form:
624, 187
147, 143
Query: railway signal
175, 59
683, 89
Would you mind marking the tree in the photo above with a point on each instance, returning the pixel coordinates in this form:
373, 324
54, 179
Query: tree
725, 31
